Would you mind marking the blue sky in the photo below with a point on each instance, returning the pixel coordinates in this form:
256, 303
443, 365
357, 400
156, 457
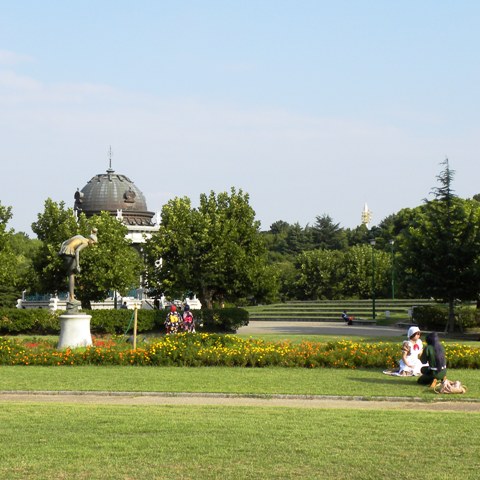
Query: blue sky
311, 107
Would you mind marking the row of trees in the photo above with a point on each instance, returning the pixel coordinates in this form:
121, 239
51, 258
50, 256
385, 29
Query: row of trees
432, 250
33, 265
217, 251
214, 250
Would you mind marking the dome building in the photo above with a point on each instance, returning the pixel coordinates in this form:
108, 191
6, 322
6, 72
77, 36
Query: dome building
116, 194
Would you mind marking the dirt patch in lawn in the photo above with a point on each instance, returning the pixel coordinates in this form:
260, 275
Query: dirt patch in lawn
293, 401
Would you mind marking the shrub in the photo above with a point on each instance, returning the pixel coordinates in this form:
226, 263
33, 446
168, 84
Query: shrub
117, 321
34, 321
220, 320
434, 317
14, 321
225, 320
468, 316
431, 317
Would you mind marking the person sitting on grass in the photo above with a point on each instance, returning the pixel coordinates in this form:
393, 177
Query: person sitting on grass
410, 363
412, 349
434, 354
348, 320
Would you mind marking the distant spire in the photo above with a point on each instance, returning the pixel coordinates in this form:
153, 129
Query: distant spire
366, 215
110, 154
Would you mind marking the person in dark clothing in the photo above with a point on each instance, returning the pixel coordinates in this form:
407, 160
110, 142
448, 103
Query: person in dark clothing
346, 318
434, 354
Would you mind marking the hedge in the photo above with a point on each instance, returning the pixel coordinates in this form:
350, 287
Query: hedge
117, 321
15, 321
431, 317
224, 320
35, 321
434, 317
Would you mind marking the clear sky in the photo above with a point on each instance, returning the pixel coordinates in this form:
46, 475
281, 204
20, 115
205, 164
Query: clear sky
310, 106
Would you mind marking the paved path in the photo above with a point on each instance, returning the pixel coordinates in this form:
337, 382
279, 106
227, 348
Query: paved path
292, 401
319, 328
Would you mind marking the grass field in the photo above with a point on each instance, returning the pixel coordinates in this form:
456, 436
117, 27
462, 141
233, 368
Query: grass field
104, 442
98, 441
257, 381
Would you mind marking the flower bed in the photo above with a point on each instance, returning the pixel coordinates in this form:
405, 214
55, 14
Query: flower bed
221, 350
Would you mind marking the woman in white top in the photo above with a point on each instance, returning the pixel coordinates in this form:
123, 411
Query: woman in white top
410, 364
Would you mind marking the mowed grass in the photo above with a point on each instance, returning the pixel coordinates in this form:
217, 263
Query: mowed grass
98, 441
251, 381
44, 441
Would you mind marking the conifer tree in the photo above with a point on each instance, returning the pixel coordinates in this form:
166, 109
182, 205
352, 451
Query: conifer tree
440, 251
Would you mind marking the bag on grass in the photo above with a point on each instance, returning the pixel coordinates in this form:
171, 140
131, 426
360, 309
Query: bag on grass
449, 386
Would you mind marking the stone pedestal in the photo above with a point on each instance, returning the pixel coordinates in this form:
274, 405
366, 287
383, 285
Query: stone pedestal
74, 331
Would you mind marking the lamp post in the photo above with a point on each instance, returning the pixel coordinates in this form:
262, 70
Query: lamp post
392, 243
372, 243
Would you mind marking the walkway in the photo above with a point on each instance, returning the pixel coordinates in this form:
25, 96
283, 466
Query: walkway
292, 401
318, 328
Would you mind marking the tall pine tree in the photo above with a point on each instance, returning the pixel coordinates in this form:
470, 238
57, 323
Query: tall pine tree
441, 249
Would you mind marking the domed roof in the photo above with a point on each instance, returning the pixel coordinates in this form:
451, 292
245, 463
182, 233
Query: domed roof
112, 192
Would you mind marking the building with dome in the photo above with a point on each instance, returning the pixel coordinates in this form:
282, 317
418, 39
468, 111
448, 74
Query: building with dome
116, 194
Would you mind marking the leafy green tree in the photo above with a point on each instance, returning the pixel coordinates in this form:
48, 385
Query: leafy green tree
358, 236
328, 235
8, 260
56, 224
385, 231
25, 249
279, 227
441, 249
276, 241
286, 273
358, 269
171, 252
391, 229
111, 265
16, 256
214, 250
5, 217
319, 274
299, 239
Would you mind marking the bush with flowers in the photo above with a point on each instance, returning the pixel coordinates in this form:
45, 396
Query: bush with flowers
203, 349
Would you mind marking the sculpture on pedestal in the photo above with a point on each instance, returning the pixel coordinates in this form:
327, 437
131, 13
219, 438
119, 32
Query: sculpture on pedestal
70, 252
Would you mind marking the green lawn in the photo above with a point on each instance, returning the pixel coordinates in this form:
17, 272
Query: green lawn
45, 441
89, 441
320, 381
